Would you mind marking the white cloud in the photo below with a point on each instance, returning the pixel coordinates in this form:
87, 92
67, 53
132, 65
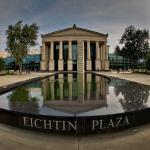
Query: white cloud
106, 16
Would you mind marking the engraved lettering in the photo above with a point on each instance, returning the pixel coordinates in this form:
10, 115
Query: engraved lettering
57, 124
64, 126
36, 123
119, 119
101, 125
94, 124
48, 124
26, 121
126, 121
71, 125
110, 124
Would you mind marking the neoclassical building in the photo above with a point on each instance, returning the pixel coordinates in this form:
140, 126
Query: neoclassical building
74, 49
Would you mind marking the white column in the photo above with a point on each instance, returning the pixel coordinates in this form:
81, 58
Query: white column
51, 61
88, 62
70, 67
44, 63
52, 51
43, 52
101, 52
97, 61
70, 50
80, 56
60, 61
103, 56
97, 51
88, 51
60, 50
104, 50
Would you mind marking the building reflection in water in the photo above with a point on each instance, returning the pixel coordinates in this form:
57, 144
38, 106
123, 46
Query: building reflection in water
75, 89
75, 93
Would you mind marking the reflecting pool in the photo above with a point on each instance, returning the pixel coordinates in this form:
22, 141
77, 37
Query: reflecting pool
77, 95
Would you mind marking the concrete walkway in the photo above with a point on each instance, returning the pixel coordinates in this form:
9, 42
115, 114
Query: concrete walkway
17, 139
140, 78
11, 79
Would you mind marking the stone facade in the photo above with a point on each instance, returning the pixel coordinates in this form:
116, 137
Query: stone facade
91, 50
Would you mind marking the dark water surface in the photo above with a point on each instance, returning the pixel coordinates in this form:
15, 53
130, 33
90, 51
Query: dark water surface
77, 95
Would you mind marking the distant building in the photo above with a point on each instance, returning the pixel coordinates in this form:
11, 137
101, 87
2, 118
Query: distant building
118, 62
3, 54
31, 62
34, 51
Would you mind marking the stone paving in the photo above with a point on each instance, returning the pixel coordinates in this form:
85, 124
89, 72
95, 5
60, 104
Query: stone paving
11, 79
12, 138
140, 78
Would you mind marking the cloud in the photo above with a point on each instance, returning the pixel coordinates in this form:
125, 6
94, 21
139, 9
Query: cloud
109, 16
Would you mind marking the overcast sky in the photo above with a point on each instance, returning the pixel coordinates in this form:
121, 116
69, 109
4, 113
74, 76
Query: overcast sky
105, 16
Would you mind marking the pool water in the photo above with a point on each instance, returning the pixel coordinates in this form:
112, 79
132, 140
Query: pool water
77, 95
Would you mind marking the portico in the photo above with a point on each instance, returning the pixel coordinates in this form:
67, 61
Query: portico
74, 49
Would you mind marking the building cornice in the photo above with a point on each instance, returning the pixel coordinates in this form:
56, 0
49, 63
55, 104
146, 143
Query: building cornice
75, 28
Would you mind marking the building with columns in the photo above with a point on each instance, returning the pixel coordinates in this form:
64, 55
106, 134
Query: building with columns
74, 49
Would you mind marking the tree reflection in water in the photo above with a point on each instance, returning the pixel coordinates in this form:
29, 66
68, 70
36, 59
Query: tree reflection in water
134, 95
21, 100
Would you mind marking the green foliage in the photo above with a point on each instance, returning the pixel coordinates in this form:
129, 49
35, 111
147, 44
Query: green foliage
19, 38
21, 100
21, 94
2, 64
135, 44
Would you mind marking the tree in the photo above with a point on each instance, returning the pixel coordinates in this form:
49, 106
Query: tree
2, 64
133, 96
135, 44
148, 61
19, 39
21, 100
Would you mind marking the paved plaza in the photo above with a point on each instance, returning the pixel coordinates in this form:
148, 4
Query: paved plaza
135, 77
12, 79
12, 138
132, 139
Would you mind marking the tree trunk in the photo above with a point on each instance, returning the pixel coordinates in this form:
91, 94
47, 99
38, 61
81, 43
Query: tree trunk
133, 66
20, 68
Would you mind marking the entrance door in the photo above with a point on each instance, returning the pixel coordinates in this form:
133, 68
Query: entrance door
56, 55
65, 55
74, 55
93, 55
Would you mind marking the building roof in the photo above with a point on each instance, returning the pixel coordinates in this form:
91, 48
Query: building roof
74, 27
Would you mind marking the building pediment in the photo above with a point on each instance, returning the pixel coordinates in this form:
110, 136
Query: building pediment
74, 31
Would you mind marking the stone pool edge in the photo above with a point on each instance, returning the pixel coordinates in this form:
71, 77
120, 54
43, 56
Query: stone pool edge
10, 86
